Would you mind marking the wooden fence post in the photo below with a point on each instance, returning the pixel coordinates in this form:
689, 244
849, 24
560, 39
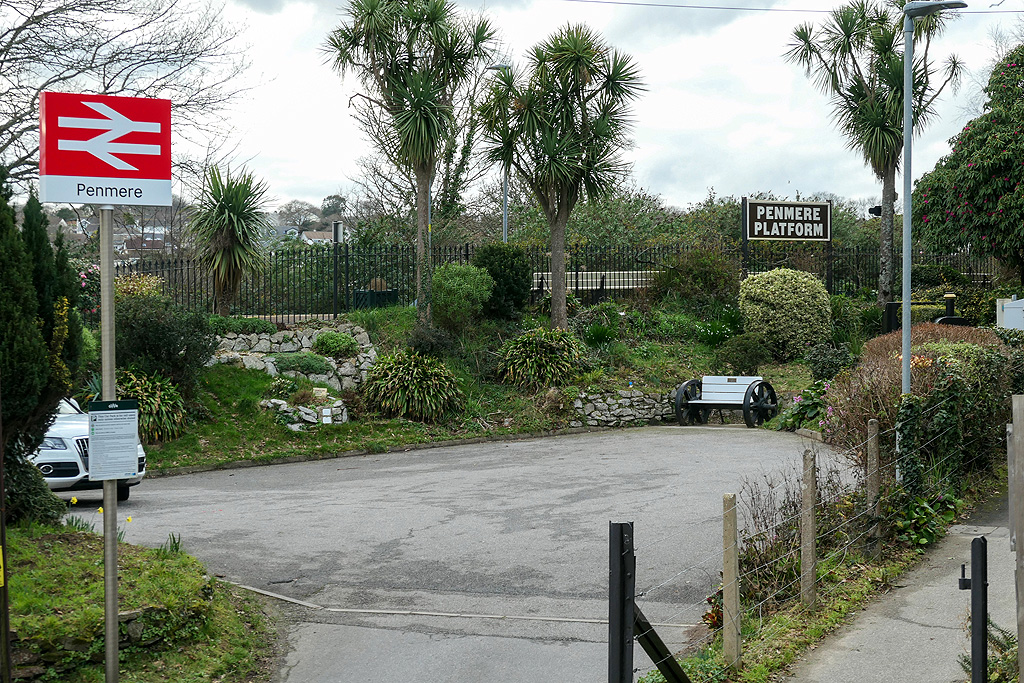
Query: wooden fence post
1016, 490
732, 645
808, 560
873, 544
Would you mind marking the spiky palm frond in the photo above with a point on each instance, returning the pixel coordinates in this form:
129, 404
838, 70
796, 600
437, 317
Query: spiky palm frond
227, 228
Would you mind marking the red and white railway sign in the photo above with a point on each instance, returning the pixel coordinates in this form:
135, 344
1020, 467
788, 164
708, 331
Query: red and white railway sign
102, 149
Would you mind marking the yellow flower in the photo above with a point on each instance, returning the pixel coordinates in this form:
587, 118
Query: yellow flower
99, 510
74, 500
129, 519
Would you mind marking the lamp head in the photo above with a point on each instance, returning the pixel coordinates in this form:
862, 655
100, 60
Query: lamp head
922, 8
497, 67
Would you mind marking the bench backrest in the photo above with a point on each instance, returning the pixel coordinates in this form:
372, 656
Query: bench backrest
595, 279
725, 388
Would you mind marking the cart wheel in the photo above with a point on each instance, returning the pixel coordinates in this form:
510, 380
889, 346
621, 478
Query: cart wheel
686, 414
759, 403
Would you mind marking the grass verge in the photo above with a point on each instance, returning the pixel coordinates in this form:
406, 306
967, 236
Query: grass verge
191, 627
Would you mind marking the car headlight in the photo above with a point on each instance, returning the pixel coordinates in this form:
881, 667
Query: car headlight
53, 443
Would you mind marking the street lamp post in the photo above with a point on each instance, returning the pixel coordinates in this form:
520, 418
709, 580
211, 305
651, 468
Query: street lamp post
911, 11
504, 184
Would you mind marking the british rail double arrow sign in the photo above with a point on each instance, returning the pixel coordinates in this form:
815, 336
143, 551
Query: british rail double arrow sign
102, 149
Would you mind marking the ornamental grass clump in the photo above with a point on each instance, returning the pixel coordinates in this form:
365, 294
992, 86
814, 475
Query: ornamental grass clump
790, 308
161, 407
413, 386
541, 358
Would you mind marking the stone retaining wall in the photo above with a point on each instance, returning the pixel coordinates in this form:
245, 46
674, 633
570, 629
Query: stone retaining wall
252, 351
623, 407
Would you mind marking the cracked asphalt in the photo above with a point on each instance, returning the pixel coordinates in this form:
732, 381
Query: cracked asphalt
511, 536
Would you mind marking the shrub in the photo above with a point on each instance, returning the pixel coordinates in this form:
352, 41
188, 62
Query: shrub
809, 408
458, 295
413, 386
428, 340
137, 284
827, 361
743, 354
510, 268
337, 345
789, 307
305, 363
959, 380
221, 325
597, 325
161, 407
157, 337
933, 275
700, 276
540, 358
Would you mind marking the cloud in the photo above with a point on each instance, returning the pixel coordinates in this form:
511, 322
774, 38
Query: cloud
639, 24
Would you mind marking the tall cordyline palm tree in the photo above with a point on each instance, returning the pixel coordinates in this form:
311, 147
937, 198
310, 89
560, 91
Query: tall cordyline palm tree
561, 124
227, 231
856, 58
412, 56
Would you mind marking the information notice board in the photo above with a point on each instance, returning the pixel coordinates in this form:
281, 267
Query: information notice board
113, 439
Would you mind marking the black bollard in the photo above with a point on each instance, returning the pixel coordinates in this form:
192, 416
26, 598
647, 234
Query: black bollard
978, 585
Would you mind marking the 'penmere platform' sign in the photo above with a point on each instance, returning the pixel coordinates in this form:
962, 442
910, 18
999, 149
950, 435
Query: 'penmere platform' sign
802, 221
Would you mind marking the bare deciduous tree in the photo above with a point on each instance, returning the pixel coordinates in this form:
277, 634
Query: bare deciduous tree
176, 49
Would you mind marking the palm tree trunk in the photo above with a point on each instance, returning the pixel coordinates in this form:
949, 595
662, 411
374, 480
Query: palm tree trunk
422, 202
886, 257
559, 313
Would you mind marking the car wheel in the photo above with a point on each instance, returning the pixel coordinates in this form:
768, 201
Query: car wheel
123, 491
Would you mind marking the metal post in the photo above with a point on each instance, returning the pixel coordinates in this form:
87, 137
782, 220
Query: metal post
745, 250
808, 532
908, 188
1015, 493
334, 272
874, 485
732, 644
979, 610
348, 283
110, 602
621, 588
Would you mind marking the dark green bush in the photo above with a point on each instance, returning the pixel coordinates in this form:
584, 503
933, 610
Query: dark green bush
161, 407
428, 340
413, 386
827, 361
157, 337
306, 363
510, 268
221, 325
932, 275
458, 295
743, 354
28, 496
541, 358
337, 345
701, 276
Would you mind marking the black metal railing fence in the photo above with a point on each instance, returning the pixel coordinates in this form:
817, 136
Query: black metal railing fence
326, 280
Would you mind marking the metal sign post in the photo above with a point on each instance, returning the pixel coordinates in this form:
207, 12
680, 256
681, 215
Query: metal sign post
108, 150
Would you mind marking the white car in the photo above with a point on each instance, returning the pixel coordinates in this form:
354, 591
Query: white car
63, 457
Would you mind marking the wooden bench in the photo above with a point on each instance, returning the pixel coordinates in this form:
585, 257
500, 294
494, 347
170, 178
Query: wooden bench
598, 279
695, 399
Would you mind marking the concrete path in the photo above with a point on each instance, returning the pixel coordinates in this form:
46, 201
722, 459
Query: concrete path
917, 632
